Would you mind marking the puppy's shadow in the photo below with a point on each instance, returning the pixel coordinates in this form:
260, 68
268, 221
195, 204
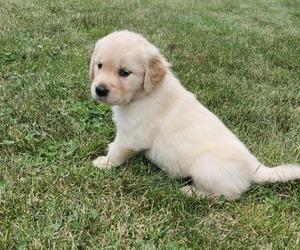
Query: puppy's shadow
142, 178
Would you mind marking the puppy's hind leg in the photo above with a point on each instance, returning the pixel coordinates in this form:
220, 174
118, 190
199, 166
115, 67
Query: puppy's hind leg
215, 177
191, 190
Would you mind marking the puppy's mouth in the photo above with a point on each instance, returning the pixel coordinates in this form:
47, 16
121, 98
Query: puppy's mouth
102, 99
106, 100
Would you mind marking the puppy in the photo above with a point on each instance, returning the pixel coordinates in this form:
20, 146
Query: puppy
155, 114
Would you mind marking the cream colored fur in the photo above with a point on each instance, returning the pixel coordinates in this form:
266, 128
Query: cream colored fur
155, 114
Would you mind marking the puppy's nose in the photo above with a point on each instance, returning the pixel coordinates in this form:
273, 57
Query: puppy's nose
101, 90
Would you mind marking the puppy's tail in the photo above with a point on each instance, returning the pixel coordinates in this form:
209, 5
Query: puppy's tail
281, 173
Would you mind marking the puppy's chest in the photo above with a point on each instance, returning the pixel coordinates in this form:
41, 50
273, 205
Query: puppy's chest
138, 133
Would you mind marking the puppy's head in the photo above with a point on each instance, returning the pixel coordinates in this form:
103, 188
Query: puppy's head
125, 67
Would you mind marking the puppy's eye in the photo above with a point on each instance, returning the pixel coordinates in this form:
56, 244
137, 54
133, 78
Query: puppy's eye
99, 65
124, 73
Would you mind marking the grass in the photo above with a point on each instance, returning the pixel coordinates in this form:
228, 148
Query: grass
241, 59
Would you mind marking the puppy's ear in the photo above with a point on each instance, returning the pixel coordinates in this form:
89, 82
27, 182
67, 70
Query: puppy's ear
155, 73
92, 73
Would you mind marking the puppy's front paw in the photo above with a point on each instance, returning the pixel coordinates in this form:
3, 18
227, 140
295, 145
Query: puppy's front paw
102, 162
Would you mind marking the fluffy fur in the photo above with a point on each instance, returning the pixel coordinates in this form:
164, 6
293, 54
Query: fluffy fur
155, 114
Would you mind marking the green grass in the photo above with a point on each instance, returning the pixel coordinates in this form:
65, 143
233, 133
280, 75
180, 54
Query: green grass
241, 59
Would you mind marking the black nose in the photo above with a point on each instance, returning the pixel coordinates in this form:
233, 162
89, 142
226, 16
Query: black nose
101, 90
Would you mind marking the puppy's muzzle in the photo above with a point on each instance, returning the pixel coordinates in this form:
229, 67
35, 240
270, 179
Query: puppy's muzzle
101, 90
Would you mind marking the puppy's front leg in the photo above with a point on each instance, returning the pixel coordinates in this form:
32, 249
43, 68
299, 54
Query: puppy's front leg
117, 155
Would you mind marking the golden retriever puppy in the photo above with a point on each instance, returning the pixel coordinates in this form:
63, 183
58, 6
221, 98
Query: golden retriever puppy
154, 113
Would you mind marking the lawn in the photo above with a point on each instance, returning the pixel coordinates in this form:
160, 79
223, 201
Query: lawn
240, 58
